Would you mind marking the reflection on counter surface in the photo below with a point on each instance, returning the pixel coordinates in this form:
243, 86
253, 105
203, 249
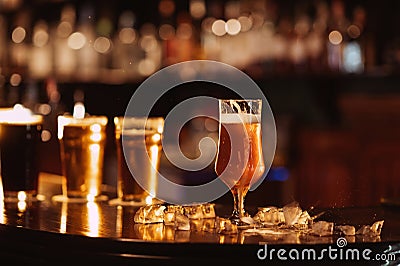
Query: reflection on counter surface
99, 219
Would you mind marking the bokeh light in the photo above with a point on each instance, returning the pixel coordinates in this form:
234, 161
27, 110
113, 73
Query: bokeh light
76, 40
127, 35
218, 27
102, 45
232, 26
18, 34
15, 79
335, 37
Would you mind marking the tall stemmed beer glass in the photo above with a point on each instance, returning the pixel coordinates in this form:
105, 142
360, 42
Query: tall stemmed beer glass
239, 161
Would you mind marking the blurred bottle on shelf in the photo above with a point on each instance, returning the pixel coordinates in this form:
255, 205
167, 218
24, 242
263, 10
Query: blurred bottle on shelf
126, 53
40, 61
260, 36
82, 41
65, 61
353, 50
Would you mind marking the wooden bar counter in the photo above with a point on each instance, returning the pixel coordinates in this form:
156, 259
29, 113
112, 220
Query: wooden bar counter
52, 233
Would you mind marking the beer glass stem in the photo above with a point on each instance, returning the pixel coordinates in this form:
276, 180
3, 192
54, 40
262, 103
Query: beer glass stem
238, 205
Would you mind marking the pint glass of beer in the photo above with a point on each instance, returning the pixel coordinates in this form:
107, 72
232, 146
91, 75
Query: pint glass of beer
20, 135
239, 161
138, 141
82, 142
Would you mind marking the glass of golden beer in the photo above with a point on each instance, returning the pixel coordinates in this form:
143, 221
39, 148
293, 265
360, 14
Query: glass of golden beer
239, 161
138, 141
82, 142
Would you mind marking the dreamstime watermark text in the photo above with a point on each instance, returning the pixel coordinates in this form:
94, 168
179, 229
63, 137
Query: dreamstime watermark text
332, 253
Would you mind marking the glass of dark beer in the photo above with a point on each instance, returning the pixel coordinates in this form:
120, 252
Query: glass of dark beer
20, 135
239, 161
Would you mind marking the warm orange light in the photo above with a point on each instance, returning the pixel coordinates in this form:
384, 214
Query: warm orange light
40, 38
76, 40
102, 45
15, 79
79, 111
246, 23
63, 220
232, 26
93, 219
166, 32
156, 137
335, 37
154, 157
21, 196
64, 29
127, 35
218, 27
18, 35
197, 8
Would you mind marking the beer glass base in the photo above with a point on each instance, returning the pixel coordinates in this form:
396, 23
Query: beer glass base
134, 203
14, 196
235, 219
63, 198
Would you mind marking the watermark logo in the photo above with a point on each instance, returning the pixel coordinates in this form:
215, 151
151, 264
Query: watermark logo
331, 253
153, 88
341, 242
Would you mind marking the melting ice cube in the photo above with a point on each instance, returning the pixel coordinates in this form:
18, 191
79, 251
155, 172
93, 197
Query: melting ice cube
196, 224
194, 211
322, 228
268, 215
151, 232
182, 222
208, 210
225, 226
347, 230
208, 225
169, 214
150, 214
292, 213
373, 230
304, 218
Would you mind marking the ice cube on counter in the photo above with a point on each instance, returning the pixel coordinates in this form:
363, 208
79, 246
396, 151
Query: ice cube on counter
304, 218
208, 225
373, 230
151, 232
347, 230
248, 220
208, 210
182, 222
322, 228
292, 213
150, 214
269, 215
194, 211
169, 214
196, 224
225, 226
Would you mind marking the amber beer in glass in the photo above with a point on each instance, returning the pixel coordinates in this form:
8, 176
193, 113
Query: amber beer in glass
144, 158
82, 142
239, 160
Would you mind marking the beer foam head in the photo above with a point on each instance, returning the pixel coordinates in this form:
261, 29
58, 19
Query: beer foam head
19, 115
240, 118
138, 132
70, 121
